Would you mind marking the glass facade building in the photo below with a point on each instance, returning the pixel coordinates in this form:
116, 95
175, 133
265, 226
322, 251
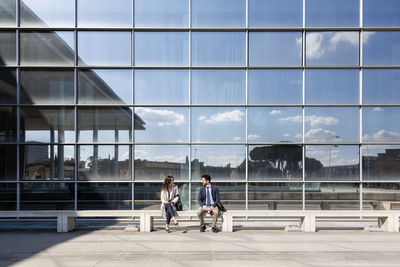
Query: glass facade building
287, 104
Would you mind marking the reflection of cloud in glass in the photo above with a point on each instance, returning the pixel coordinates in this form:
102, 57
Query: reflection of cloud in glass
253, 136
320, 135
334, 155
275, 112
315, 121
382, 136
378, 109
160, 117
319, 43
221, 117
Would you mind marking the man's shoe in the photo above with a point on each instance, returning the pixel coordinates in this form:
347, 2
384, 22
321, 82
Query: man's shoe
215, 230
202, 228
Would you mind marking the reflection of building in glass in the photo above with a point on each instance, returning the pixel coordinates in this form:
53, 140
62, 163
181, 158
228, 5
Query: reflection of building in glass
383, 166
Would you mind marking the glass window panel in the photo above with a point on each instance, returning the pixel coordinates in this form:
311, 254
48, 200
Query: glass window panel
233, 195
275, 13
154, 162
218, 13
7, 12
275, 48
103, 124
105, 86
332, 48
275, 196
161, 86
339, 86
222, 162
104, 196
383, 13
331, 124
160, 13
7, 48
47, 162
47, 13
381, 162
161, 48
8, 125
104, 48
47, 48
162, 124
375, 194
47, 86
44, 125
381, 48
380, 124
269, 162
47, 196
275, 124
147, 195
332, 162
381, 86
8, 162
8, 86
218, 87
218, 48
275, 86
105, 162
8, 196
327, 13
104, 13
332, 196
217, 124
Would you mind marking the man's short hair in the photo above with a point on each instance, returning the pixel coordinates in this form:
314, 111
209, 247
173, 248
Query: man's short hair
207, 177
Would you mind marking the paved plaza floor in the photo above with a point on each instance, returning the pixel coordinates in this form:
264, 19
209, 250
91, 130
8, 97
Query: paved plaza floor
192, 248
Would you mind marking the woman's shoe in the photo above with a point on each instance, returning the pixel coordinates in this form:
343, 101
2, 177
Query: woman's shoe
167, 230
176, 224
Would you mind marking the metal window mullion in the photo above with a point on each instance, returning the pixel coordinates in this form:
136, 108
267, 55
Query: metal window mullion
76, 13
304, 13
361, 13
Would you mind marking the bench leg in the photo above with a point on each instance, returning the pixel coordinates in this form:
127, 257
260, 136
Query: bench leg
307, 223
142, 218
227, 222
149, 223
389, 223
65, 223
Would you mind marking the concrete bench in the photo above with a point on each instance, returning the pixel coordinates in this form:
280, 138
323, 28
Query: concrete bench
387, 220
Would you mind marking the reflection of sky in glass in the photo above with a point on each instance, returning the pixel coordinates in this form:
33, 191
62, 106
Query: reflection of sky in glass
104, 13
275, 13
217, 155
273, 125
47, 13
332, 48
381, 86
161, 13
161, 48
218, 48
382, 13
381, 48
275, 86
162, 153
161, 86
332, 86
163, 124
334, 155
331, 124
118, 81
104, 48
328, 13
218, 124
380, 124
104, 152
275, 48
218, 13
218, 87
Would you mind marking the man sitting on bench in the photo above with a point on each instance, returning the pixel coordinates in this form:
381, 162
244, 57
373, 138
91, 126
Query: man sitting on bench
208, 200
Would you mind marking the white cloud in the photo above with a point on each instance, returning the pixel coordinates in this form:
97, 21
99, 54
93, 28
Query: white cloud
319, 43
382, 136
275, 112
315, 121
378, 109
286, 135
160, 117
367, 36
221, 117
253, 136
237, 139
321, 135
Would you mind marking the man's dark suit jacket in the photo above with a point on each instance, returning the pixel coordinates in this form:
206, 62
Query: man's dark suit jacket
214, 194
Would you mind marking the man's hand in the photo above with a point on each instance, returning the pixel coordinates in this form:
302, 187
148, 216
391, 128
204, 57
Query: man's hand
211, 208
205, 208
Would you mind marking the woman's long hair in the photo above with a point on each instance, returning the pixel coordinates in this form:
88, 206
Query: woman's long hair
167, 182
